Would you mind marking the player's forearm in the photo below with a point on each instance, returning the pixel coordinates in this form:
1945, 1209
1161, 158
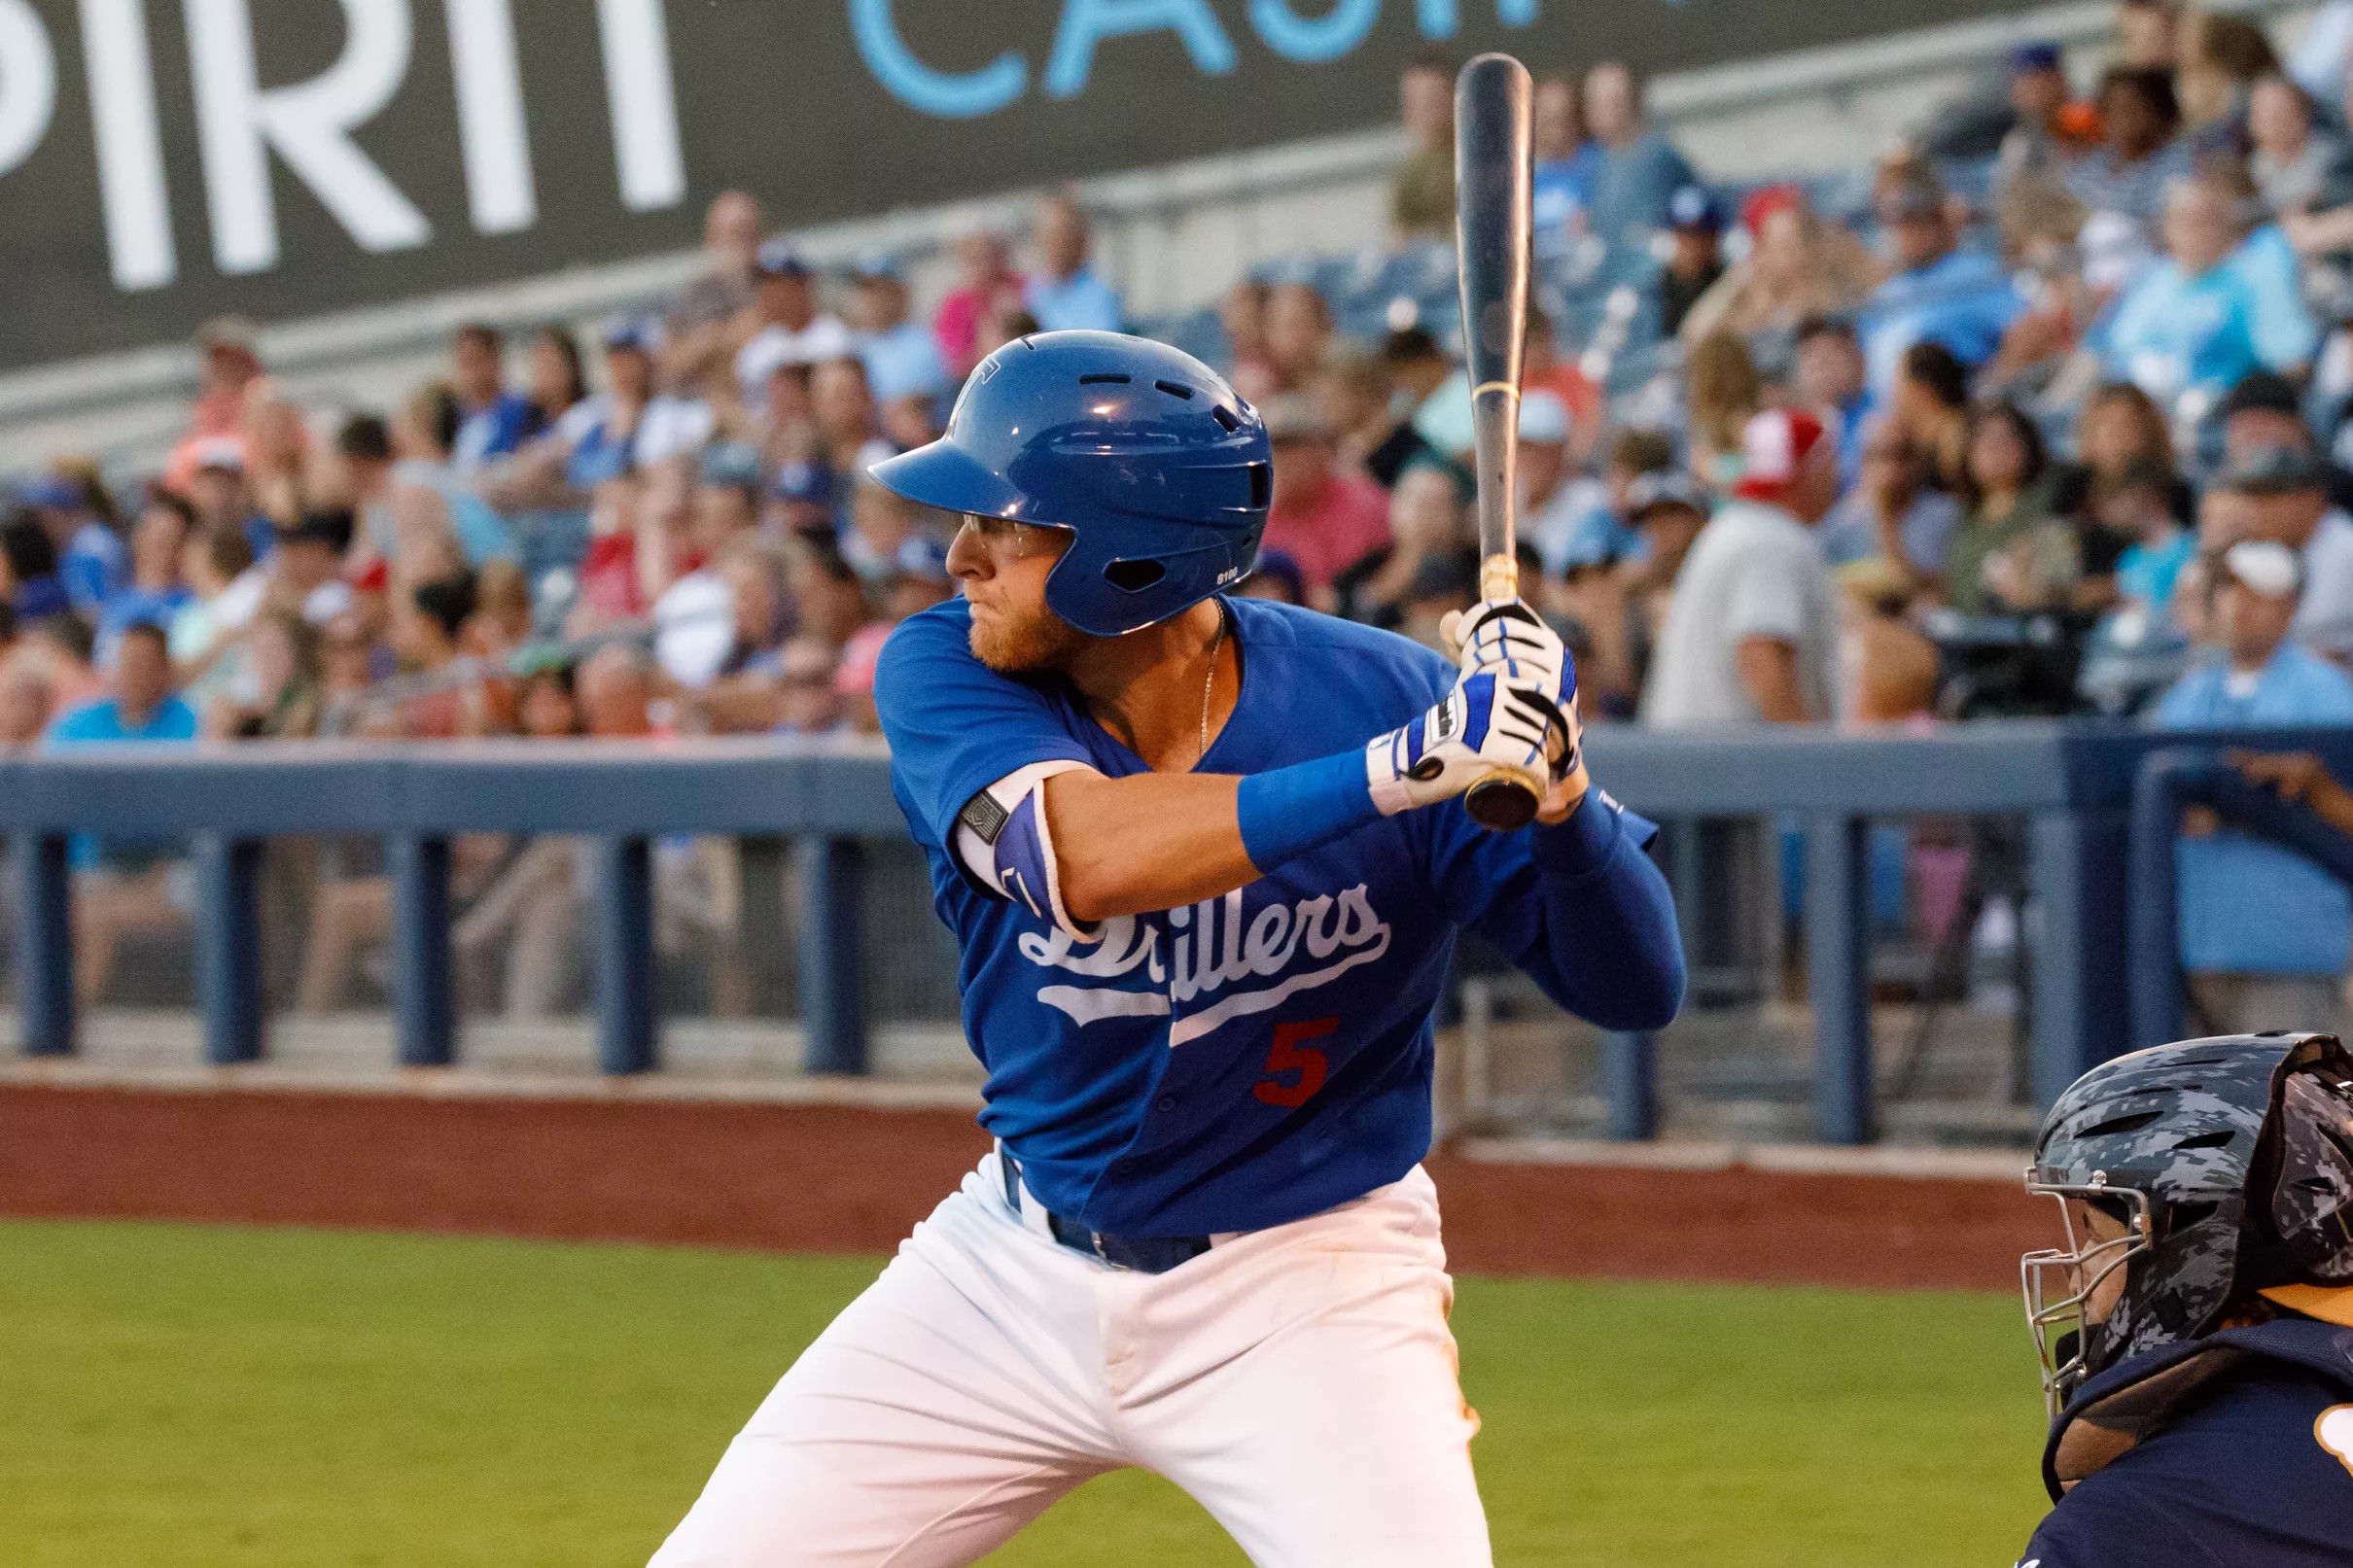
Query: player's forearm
1148, 842
1609, 950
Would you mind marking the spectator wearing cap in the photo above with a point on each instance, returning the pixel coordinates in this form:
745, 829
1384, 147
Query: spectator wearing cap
228, 362
1422, 190
1960, 301
792, 329
1322, 518
902, 357
91, 562
2139, 154
1426, 522
1544, 442
2264, 409
493, 421
1639, 170
1696, 260
2053, 128
123, 884
802, 503
2283, 498
1621, 602
1891, 514
1276, 575
1566, 162
985, 277
596, 440
1064, 292
157, 592
1589, 525
2256, 918
1752, 633
727, 500
1798, 268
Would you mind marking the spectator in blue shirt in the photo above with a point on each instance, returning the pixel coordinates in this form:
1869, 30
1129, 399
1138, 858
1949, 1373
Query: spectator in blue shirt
1064, 293
124, 884
492, 421
1960, 301
2189, 325
1566, 162
1638, 171
2263, 931
902, 357
157, 592
90, 559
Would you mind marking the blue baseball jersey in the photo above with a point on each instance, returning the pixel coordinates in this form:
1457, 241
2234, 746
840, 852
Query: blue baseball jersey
1264, 1056
2257, 1473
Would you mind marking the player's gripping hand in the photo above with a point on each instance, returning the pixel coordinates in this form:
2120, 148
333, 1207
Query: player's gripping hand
1508, 637
1486, 724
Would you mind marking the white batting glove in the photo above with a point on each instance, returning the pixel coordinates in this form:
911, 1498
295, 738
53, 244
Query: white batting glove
1507, 637
1485, 725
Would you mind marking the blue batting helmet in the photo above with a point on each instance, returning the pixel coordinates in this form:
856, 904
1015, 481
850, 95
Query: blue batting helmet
1160, 472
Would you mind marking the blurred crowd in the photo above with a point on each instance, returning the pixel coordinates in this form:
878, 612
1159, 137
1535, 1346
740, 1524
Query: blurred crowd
2041, 413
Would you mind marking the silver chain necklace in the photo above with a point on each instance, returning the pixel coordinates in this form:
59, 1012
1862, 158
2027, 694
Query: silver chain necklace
1209, 685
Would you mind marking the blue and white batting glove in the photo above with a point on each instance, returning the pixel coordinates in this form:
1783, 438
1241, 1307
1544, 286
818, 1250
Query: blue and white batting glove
1485, 725
1508, 637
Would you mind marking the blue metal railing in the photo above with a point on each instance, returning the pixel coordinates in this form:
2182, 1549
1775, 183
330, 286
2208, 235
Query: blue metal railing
2072, 784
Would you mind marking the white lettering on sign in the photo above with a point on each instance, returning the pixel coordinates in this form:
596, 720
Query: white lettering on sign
639, 87
130, 148
500, 193
28, 83
307, 124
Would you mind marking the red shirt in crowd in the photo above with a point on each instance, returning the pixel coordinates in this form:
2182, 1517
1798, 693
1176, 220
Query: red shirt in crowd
1332, 530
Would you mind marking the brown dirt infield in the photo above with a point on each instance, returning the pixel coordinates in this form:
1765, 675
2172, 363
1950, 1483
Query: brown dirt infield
835, 1179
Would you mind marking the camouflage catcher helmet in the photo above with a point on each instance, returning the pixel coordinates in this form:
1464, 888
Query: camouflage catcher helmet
2204, 1172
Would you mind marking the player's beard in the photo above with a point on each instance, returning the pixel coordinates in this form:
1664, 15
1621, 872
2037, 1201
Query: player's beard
1018, 644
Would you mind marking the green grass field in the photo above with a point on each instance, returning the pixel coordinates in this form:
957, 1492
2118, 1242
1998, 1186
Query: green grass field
192, 1397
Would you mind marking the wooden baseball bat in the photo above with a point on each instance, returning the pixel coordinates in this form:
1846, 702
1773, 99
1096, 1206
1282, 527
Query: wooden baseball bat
1495, 152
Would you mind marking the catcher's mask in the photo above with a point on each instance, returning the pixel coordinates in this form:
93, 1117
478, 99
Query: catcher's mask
2188, 1177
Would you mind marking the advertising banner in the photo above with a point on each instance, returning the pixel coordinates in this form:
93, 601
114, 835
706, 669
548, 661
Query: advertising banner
161, 161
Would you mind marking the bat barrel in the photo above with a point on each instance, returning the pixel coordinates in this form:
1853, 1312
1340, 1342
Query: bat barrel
1495, 136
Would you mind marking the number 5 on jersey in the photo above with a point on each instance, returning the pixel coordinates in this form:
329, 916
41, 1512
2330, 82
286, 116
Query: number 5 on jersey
1288, 1057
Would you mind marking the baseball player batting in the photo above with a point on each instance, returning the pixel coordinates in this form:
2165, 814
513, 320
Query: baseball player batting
1206, 859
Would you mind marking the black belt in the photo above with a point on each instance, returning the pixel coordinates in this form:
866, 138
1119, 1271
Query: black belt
1146, 1255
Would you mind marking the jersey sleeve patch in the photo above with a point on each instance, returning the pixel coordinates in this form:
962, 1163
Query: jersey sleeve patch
1005, 846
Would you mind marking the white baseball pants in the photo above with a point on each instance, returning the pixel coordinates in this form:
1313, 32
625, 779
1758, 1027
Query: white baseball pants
1299, 1381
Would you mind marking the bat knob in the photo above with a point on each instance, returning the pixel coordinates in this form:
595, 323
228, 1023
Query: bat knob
1500, 804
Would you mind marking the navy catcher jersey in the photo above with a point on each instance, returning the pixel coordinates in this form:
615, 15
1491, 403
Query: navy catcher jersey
2257, 1472
1261, 1056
